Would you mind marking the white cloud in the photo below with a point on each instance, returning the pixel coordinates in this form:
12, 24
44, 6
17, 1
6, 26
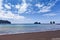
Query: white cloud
1, 4
45, 9
10, 15
18, 6
7, 6
23, 7
14, 18
39, 5
48, 7
51, 14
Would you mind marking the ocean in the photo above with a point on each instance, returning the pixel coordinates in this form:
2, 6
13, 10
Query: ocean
26, 28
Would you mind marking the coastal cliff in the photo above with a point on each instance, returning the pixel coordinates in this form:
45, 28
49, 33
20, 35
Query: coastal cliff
5, 22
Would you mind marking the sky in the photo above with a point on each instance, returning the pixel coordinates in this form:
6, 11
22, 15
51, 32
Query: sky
29, 11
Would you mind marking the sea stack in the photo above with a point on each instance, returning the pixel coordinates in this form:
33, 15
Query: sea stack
5, 22
37, 23
52, 22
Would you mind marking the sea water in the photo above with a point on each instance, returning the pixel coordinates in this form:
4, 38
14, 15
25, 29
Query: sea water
26, 28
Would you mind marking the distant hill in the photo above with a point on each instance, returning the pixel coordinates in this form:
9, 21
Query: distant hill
5, 22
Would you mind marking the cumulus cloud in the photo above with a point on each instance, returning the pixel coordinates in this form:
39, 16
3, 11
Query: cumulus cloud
48, 7
39, 5
18, 6
45, 9
7, 6
10, 15
23, 7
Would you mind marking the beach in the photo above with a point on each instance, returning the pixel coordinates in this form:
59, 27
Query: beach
47, 35
29, 19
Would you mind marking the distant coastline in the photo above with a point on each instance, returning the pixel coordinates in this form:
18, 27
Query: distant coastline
8, 22
51, 22
5, 22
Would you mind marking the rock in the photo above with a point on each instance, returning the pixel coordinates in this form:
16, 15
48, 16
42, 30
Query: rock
37, 23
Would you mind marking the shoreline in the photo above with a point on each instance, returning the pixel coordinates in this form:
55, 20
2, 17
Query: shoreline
27, 32
32, 36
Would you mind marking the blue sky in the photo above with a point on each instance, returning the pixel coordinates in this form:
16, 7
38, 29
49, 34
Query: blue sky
29, 11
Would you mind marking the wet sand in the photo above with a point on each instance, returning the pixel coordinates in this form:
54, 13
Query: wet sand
49, 35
